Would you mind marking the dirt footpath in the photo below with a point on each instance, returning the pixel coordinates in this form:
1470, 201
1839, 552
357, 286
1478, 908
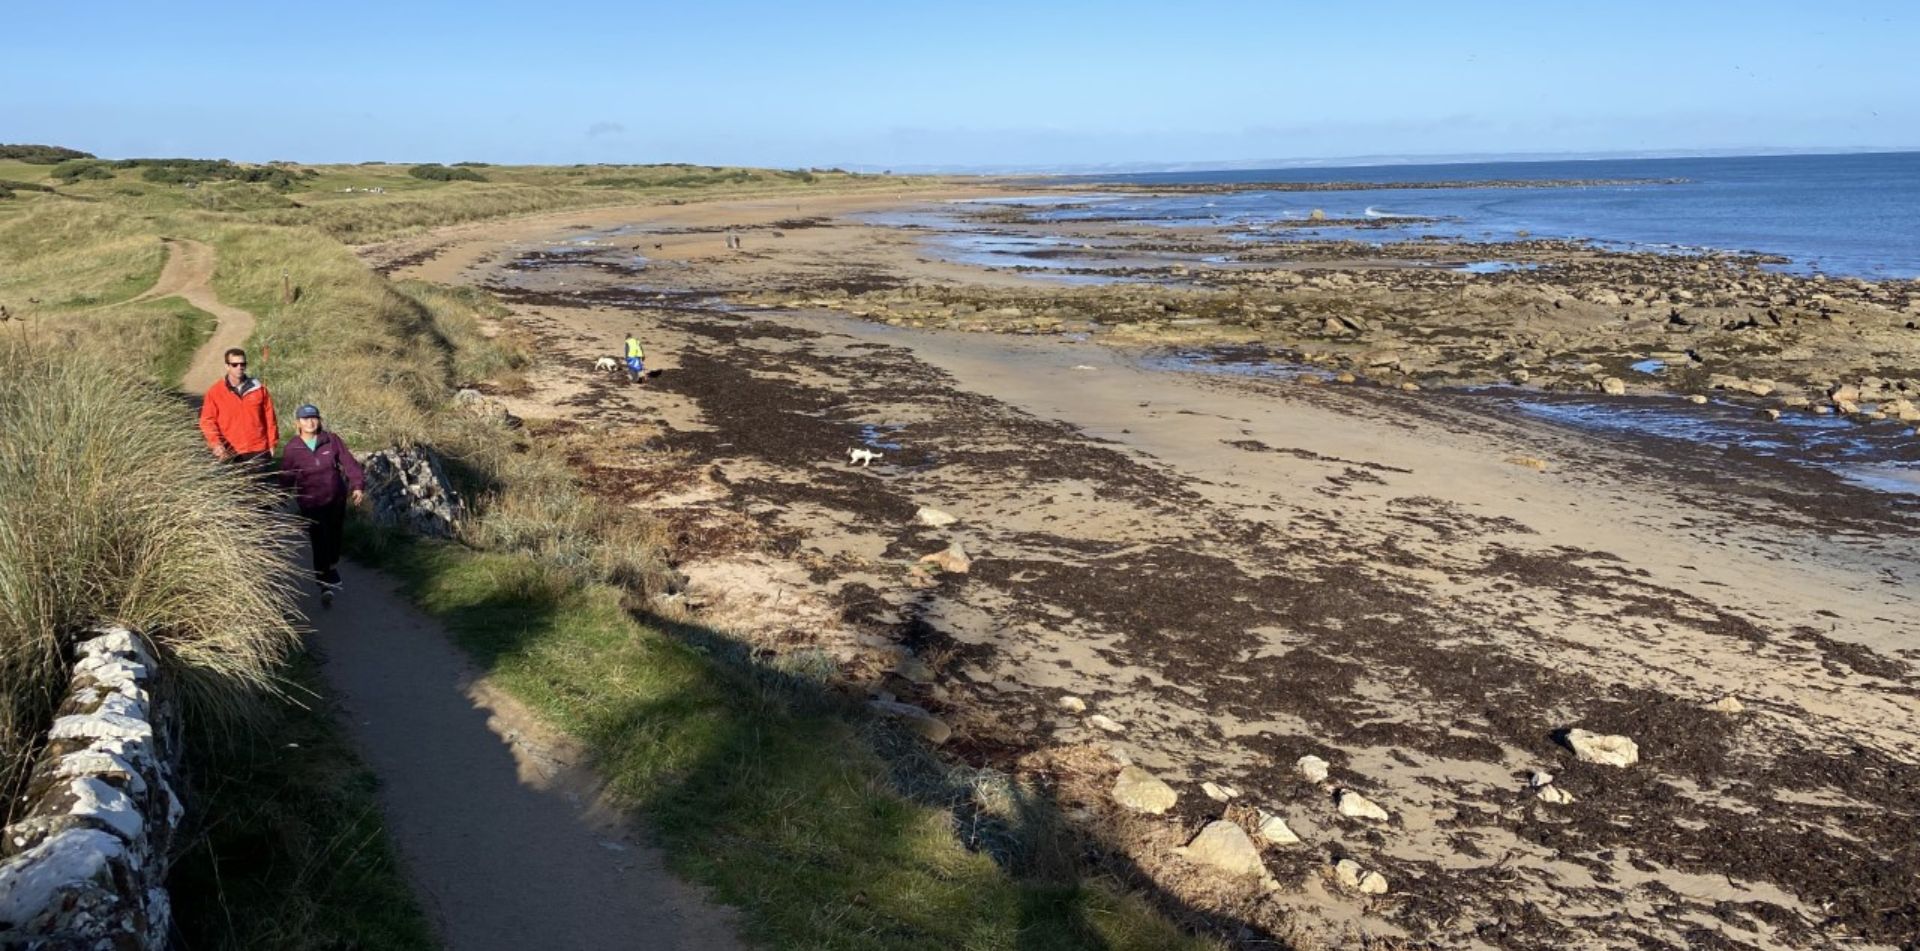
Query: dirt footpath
498, 821
500, 825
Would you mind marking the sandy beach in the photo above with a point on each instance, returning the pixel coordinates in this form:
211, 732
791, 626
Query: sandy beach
1211, 574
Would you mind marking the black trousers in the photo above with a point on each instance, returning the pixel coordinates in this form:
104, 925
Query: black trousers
326, 525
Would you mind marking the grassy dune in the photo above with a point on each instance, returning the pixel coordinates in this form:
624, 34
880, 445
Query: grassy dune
761, 783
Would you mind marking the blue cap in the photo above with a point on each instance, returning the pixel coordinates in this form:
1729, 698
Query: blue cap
307, 411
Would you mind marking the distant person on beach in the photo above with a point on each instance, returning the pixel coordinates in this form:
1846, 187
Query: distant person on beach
237, 416
636, 359
324, 478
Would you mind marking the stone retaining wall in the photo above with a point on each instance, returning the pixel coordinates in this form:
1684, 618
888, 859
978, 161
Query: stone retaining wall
86, 864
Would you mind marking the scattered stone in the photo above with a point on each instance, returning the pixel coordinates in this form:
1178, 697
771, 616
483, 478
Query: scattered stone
1141, 791
1355, 806
1728, 704
1697, 399
1770, 414
914, 670
920, 721
1554, 795
953, 559
1537, 465
1275, 831
1410, 387
1073, 704
1215, 792
1225, 846
1605, 749
1540, 778
933, 517
1353, 876
1613, 386
1106, 723
1344, 377
1312, 767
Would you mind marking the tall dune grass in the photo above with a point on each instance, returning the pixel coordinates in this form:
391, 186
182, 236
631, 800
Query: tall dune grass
111, 511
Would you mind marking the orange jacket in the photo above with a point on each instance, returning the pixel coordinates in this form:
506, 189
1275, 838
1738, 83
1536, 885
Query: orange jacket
244, 421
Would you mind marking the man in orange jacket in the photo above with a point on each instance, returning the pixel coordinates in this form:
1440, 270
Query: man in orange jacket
237, 416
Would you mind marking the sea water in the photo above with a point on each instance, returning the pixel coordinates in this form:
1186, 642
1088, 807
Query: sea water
1853, 215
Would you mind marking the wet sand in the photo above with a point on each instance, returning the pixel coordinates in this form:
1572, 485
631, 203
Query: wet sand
1242, 569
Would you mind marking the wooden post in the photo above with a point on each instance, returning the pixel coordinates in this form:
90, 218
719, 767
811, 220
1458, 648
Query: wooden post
286, 287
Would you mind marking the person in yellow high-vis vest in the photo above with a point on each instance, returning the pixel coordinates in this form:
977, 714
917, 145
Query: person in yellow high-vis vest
636, 360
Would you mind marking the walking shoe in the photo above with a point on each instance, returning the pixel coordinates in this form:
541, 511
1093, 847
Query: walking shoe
331, 576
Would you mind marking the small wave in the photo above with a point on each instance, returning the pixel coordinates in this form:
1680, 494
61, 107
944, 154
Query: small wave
1373, 212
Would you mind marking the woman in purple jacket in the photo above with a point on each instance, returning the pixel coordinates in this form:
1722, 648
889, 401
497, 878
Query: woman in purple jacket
324, 478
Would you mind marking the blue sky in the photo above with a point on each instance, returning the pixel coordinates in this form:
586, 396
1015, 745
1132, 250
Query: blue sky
902, 85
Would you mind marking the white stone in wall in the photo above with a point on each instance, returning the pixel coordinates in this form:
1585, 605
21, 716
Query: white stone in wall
100, 726
98, 800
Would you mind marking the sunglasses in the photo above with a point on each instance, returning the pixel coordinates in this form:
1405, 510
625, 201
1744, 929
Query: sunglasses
240, 364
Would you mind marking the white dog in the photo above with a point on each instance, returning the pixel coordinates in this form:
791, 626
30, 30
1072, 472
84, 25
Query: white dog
861, 457
606, 365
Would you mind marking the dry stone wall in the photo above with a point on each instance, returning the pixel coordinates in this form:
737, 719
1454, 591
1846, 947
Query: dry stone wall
85, 865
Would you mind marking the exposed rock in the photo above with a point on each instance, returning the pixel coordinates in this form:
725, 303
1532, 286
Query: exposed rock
1613, 386
1605, 749
1353, 876
1697, 399
1728, 704
1537, 465
1554, 795
1344, 377
952, 559
1214, 792
914, 670
408, 488
1355, 806
1225, 846
1540, 778
1312, 767
1141, 791
1770, 414
1106, 723
933, 517
1275, 831
920, 721
1073, 704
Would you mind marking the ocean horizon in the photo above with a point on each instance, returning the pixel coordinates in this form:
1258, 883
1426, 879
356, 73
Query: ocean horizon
1843, 214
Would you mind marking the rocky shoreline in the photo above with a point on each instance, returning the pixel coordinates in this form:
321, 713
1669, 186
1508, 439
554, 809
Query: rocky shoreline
1558, 316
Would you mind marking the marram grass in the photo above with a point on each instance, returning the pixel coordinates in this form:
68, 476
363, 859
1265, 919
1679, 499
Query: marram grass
112, 512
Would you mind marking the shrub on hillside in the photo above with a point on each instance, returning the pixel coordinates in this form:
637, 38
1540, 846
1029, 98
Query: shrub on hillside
182, 171
111, 510
41, 154
74, 170
434, 172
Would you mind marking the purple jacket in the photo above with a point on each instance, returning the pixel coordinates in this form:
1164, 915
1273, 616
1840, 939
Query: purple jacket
321, 475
